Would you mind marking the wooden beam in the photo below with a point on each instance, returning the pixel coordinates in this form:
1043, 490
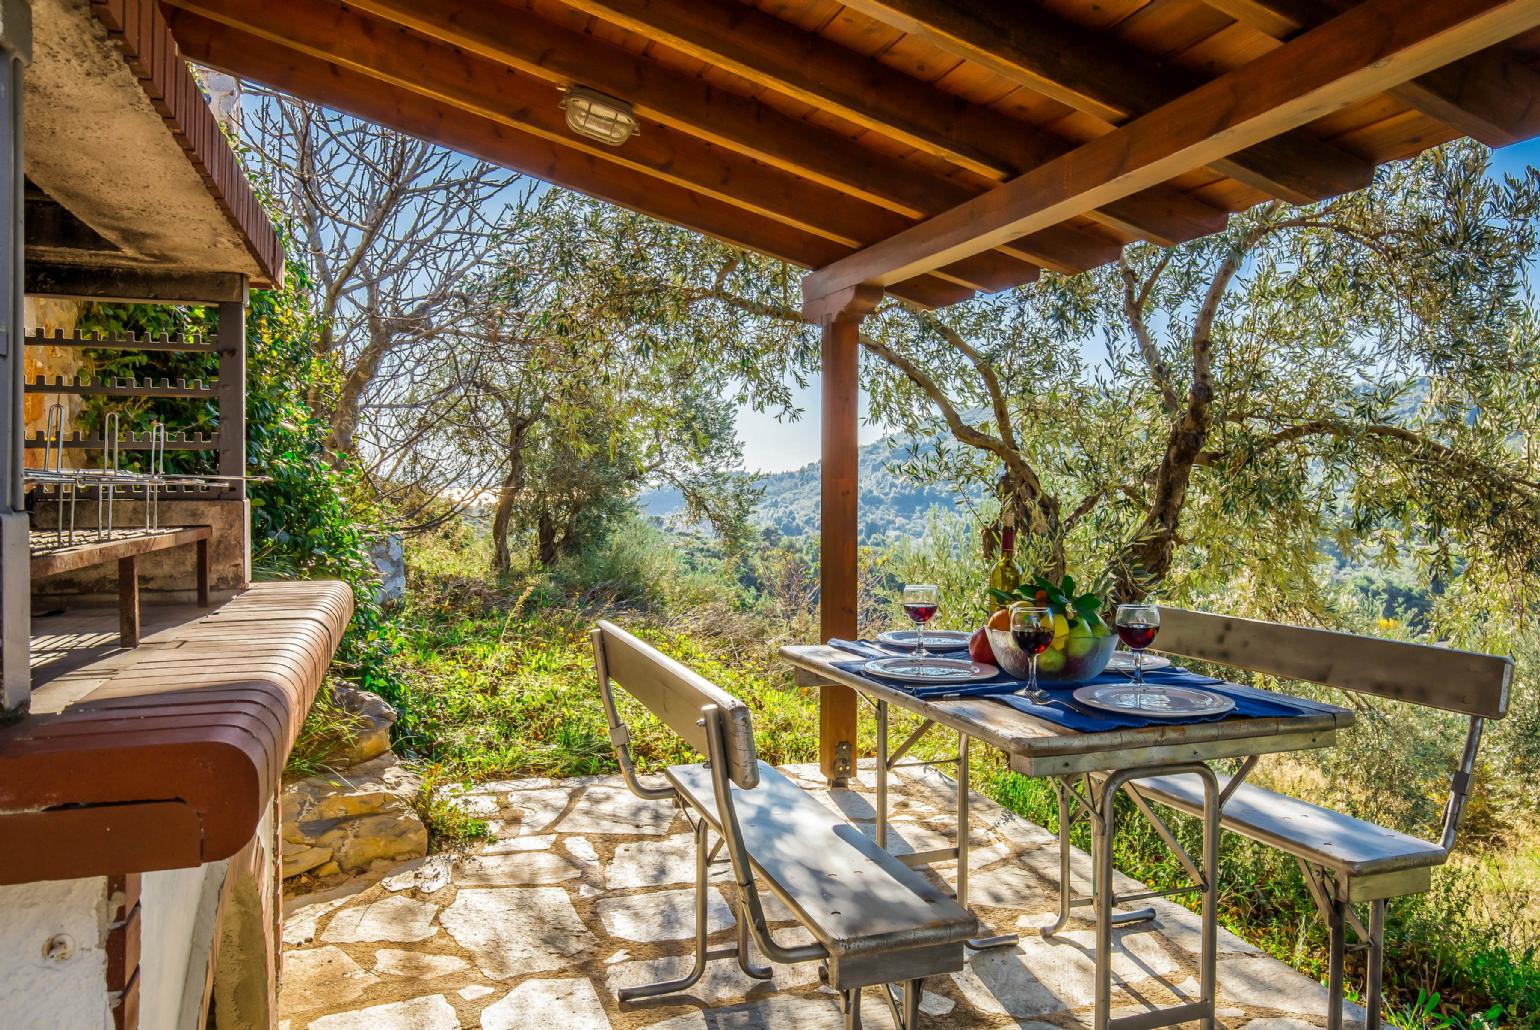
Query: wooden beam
1101, 76
365, 97
839, 523
779, 56
119, 285
1357, 54
1490, 96
531, 45
528, 44
1277, 18
329, 32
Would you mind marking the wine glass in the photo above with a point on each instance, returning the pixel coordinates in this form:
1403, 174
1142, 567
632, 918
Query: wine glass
921, 602
1137, 625
1032, 631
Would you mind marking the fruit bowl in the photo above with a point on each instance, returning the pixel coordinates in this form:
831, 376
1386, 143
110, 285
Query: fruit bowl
1079, 658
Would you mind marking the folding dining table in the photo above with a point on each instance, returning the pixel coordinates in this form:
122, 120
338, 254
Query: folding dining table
1088, 769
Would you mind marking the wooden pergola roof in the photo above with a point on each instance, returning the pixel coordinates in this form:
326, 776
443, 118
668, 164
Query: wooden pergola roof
935, 148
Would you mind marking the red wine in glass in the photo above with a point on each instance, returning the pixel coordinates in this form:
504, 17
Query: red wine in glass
1137, 623
1032, 637
1137, 637
920, 612
921, 601
1032, 631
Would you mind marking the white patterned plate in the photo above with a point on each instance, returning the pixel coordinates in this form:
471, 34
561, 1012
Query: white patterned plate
935, 639
930, 670
1123, 661
1153, 702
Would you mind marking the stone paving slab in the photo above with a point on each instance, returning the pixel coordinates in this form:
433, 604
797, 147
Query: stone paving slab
589, 889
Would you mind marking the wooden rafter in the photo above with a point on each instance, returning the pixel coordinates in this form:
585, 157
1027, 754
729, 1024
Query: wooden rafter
1490, 96
777, 56
327, 31
528, 44
320, 81
1366, 50
1096, 75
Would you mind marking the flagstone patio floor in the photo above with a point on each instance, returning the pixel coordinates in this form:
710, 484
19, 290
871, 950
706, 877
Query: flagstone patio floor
587, 889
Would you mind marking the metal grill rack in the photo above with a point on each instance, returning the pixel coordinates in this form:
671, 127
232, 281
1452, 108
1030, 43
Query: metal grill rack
107, 482
225, 392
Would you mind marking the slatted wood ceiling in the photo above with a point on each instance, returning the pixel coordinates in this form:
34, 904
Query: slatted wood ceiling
811, 129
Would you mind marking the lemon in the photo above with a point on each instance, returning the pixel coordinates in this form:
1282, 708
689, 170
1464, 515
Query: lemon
1060, 632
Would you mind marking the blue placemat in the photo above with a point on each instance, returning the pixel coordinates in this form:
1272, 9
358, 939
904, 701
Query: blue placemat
1063, 711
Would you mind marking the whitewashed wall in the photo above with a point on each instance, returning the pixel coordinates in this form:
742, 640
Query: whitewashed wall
53, 950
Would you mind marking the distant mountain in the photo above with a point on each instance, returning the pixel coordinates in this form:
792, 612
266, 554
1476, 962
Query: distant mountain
890, 506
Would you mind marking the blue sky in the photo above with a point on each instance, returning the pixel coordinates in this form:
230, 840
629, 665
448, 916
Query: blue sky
775, 446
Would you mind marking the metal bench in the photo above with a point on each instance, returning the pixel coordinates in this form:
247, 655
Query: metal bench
874, 921
1346, 862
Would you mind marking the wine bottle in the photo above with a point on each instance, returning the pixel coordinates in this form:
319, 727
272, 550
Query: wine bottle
1006, 575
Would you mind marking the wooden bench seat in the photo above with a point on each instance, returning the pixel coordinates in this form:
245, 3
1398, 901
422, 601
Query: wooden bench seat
856, 899
1352, 848
1346, 862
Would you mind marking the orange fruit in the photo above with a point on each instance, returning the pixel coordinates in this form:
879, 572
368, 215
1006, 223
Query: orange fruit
1000, 620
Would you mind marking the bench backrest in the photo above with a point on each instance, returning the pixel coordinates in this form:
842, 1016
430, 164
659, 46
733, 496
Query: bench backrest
676, 696
1438, 677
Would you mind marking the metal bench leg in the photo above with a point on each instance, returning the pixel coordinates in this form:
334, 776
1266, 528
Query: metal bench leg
1375, 987
1336, 922
687, 981
904, 1003
852, 1008
744, 962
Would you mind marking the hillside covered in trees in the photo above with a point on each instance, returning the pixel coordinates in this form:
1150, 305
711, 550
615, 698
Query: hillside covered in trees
892, 505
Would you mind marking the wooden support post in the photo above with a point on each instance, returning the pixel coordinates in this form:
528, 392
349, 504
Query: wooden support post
128, 601
203, 573
838, 527
231, 393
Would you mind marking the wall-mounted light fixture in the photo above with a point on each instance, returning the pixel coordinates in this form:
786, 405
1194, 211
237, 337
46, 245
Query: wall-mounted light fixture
599, 116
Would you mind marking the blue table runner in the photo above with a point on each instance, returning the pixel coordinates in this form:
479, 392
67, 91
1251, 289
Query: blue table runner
1067, 713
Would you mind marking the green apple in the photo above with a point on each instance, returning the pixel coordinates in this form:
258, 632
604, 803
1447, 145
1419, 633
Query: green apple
1051, 660
1080, 645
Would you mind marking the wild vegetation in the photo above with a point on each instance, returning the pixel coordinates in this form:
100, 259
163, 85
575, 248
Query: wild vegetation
1322, 415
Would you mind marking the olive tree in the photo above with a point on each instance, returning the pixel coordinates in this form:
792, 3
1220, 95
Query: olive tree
1360, 373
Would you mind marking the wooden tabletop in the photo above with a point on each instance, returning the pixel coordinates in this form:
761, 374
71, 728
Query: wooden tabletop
1037, 747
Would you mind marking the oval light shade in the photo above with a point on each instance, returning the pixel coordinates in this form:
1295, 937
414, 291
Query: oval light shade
599, 116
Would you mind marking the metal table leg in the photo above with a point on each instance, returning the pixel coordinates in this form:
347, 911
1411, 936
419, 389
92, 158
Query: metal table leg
964, 815
882, 774
1104, 830
1067, 900
964, 826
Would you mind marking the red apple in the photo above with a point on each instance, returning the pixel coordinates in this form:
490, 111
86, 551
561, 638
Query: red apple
979, 649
